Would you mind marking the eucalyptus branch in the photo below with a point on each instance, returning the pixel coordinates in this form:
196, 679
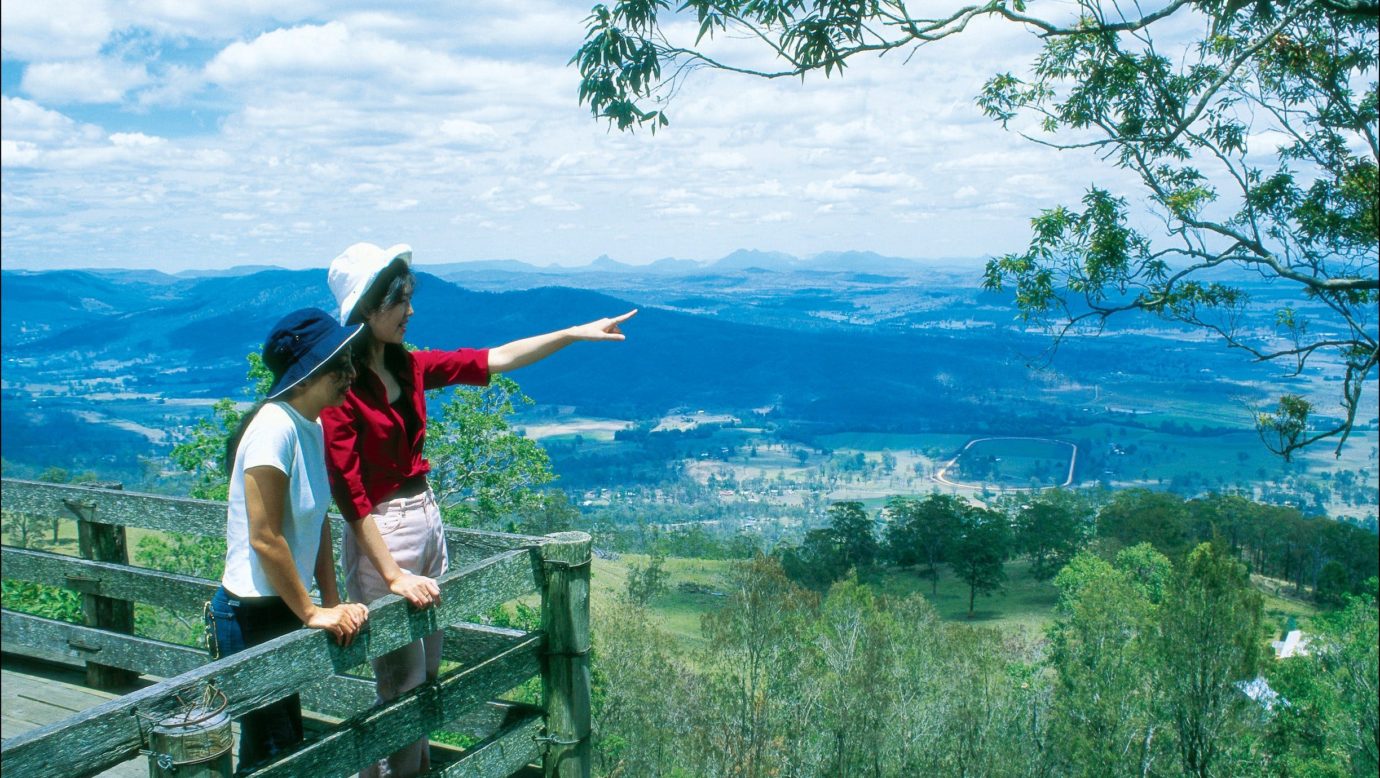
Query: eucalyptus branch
1051, 29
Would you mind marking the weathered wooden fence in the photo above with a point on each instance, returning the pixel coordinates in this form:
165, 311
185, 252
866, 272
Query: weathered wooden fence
487, 569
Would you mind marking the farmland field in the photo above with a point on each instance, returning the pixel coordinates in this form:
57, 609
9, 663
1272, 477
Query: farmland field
1012, 462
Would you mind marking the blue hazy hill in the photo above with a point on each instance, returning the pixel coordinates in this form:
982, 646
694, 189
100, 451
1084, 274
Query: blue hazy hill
188, 336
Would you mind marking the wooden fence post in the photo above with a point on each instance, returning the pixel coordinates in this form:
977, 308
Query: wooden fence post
565, 672
102, 543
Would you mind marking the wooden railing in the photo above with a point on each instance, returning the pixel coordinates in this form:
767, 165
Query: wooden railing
487, 569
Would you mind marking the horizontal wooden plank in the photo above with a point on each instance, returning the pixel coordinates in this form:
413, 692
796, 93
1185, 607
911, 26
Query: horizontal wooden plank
204, 517
467, 545
98, 738
129, 509
122, 582
465, 593
503, 753
340, 696
380, 731
468, 643
344, 696
77, 643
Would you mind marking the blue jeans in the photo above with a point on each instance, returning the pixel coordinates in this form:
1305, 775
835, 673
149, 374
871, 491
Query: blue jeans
237, 624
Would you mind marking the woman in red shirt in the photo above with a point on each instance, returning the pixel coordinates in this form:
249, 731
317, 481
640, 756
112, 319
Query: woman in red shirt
396, 543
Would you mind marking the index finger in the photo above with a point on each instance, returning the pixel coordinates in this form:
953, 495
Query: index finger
625, 317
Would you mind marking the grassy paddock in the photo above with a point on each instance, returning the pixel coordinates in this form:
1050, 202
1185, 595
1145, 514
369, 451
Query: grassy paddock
1026, 604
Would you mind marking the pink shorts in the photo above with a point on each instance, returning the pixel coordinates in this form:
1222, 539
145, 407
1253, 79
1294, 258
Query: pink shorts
412, 530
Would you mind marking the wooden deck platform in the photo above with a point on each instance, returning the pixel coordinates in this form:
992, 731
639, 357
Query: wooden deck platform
34, 693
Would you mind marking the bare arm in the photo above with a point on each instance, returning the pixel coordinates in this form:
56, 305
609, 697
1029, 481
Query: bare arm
265, 495
325, 569
417, 589
521, 353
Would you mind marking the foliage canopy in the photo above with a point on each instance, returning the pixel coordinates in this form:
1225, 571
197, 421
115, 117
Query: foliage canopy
1255, 145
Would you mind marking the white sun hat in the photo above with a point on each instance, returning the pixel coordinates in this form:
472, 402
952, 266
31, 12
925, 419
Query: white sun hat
354, 271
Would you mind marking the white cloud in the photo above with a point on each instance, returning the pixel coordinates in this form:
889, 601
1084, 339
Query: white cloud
881, 181
18, 153
135, 140
1267, 143
277, 128
466, 133
828, 191
172, 86
26, 120
554, 203
56, 29
334, 58
85, 81
722, 160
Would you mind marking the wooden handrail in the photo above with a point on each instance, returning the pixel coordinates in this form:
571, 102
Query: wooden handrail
202, 517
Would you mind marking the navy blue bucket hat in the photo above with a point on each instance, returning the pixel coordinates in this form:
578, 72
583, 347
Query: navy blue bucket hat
301, 343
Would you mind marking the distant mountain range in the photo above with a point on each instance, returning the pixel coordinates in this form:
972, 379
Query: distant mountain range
740, 260
188, 336
819, 349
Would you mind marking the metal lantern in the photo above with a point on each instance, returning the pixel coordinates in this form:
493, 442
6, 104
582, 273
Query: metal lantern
194, 741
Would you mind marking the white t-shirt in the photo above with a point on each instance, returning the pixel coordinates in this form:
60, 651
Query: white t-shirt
278, 437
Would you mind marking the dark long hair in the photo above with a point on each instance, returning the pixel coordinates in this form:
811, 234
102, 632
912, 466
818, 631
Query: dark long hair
232, 444
337, 363
391, 286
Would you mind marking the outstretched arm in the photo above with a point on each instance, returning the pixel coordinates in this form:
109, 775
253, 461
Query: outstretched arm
521, 353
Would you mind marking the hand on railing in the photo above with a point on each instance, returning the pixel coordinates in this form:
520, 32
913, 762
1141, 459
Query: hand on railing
419, 590
344, 621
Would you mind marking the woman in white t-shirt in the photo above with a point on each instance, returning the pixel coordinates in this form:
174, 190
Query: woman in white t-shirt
277, 538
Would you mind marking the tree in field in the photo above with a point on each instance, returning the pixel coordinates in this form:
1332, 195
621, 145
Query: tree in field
552, 512
646, 582
1142, 516
1254, 145
1332, 584
827, 554
481, 469
1051, 527
922, 531
643, 707
757, 700
853, 638
982, 543
817, 562
1101, 649
856, 533
201, 451
1149, 570
1208, 640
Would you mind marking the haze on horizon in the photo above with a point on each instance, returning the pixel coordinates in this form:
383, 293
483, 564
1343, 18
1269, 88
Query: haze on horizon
201, 136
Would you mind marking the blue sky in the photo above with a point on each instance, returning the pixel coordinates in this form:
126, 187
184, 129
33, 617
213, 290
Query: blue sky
187, 134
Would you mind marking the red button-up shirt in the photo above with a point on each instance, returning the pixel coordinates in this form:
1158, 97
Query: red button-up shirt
371, 449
